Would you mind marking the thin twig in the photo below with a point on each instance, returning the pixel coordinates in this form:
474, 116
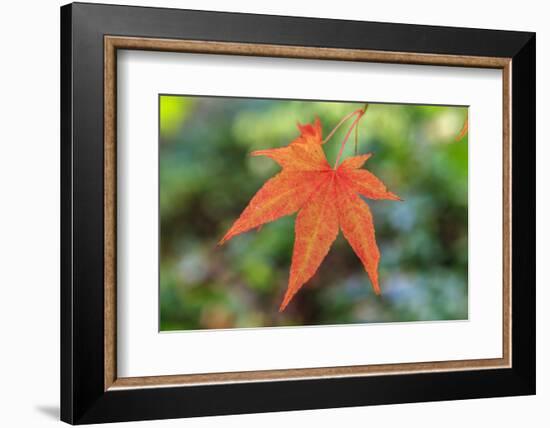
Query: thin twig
355, 122
360, 113
346, 117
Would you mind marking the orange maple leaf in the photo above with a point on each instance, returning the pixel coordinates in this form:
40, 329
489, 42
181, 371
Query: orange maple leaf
463, 131
327, 199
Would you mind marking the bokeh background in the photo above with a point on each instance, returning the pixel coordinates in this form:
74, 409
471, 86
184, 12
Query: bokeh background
207, 178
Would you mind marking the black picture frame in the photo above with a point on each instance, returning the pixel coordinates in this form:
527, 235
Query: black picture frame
83, 396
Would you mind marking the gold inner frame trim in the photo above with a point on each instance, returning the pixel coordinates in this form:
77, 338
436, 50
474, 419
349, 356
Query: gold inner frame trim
113, 43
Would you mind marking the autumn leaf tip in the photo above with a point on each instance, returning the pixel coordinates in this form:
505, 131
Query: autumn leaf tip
393, 197
286, 300
222, 241
462, 132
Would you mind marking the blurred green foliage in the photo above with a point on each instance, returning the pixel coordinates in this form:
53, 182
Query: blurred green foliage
207, 179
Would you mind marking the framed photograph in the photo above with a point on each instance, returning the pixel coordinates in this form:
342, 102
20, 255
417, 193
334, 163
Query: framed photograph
266, 213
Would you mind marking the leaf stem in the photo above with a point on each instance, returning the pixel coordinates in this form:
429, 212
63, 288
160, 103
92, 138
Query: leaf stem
360, 113
356, 140
346, 117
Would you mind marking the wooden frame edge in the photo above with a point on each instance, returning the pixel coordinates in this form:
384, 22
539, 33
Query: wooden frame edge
299, 374
112, 43
507, 213
301, 52
109, 198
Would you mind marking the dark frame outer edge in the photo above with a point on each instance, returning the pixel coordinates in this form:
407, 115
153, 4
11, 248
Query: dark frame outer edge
523, 216
66, 316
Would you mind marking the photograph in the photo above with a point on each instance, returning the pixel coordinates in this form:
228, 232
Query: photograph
281, 212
